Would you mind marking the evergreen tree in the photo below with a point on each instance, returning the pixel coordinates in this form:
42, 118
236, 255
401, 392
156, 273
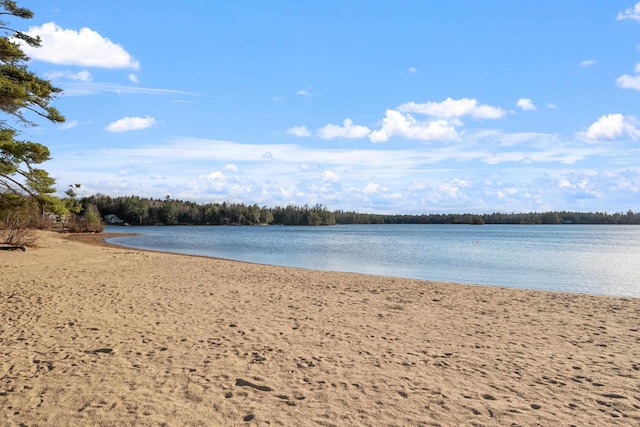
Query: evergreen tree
22, 91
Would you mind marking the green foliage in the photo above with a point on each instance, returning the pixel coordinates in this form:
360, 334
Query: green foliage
12, 8
22, 91
493, 218
140, 211
169, 211
71, 204
88, 222
18, 172
92, 220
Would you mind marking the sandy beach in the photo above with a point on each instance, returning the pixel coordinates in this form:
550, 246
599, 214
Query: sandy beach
99, 335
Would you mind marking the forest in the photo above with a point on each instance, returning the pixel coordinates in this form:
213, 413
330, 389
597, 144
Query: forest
134, 210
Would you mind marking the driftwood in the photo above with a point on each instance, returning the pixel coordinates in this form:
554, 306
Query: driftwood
12, 248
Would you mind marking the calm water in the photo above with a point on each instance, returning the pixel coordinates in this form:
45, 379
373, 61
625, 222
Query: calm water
573, 258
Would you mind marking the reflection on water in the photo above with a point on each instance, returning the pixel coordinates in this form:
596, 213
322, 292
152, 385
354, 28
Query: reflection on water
573, 258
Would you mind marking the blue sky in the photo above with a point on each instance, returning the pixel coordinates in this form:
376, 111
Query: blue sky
387, 107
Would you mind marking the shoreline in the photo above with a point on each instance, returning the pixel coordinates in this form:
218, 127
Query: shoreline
102, 334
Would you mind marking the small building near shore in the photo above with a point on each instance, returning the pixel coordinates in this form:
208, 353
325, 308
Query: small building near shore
112, 219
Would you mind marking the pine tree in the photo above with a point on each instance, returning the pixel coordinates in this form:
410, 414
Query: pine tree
22, 92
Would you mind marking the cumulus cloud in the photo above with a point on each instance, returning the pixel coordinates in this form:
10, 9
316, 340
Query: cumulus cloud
453, 188
579, 186
632, 13
626, 81
454, 108
330, 176
396, 124
372, 188
347, 130
526, 104
131, 123
300, 131
303, 92
85, 48
133, 78
612, 127
445, 117
215, 181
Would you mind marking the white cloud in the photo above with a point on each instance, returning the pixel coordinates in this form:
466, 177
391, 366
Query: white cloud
626, 81
396, 124
190, 155
372, 188
630, 13
93, 88
85, 48
501, 139
83, 76
526, 104
303, 92
348, 130
587, 62
69, 125
580, 185
551, 106
330, 176
412, 69
131, 123
133, 78
413, 179
612, 127
215, 181
452, 108
231, 167
453, 188
300, 131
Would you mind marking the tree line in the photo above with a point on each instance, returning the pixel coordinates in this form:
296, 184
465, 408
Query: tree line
553, 217
135, 210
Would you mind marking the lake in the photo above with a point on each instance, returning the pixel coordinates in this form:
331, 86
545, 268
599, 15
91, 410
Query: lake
594, 259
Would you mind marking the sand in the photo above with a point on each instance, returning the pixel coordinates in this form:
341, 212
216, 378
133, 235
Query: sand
106, 336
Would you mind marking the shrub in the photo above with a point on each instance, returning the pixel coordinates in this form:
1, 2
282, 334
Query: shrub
16, 230
88, 222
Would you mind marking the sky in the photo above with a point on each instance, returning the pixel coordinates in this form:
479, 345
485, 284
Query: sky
402, 107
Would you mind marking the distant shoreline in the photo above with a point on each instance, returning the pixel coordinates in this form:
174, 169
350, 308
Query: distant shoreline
145, 211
